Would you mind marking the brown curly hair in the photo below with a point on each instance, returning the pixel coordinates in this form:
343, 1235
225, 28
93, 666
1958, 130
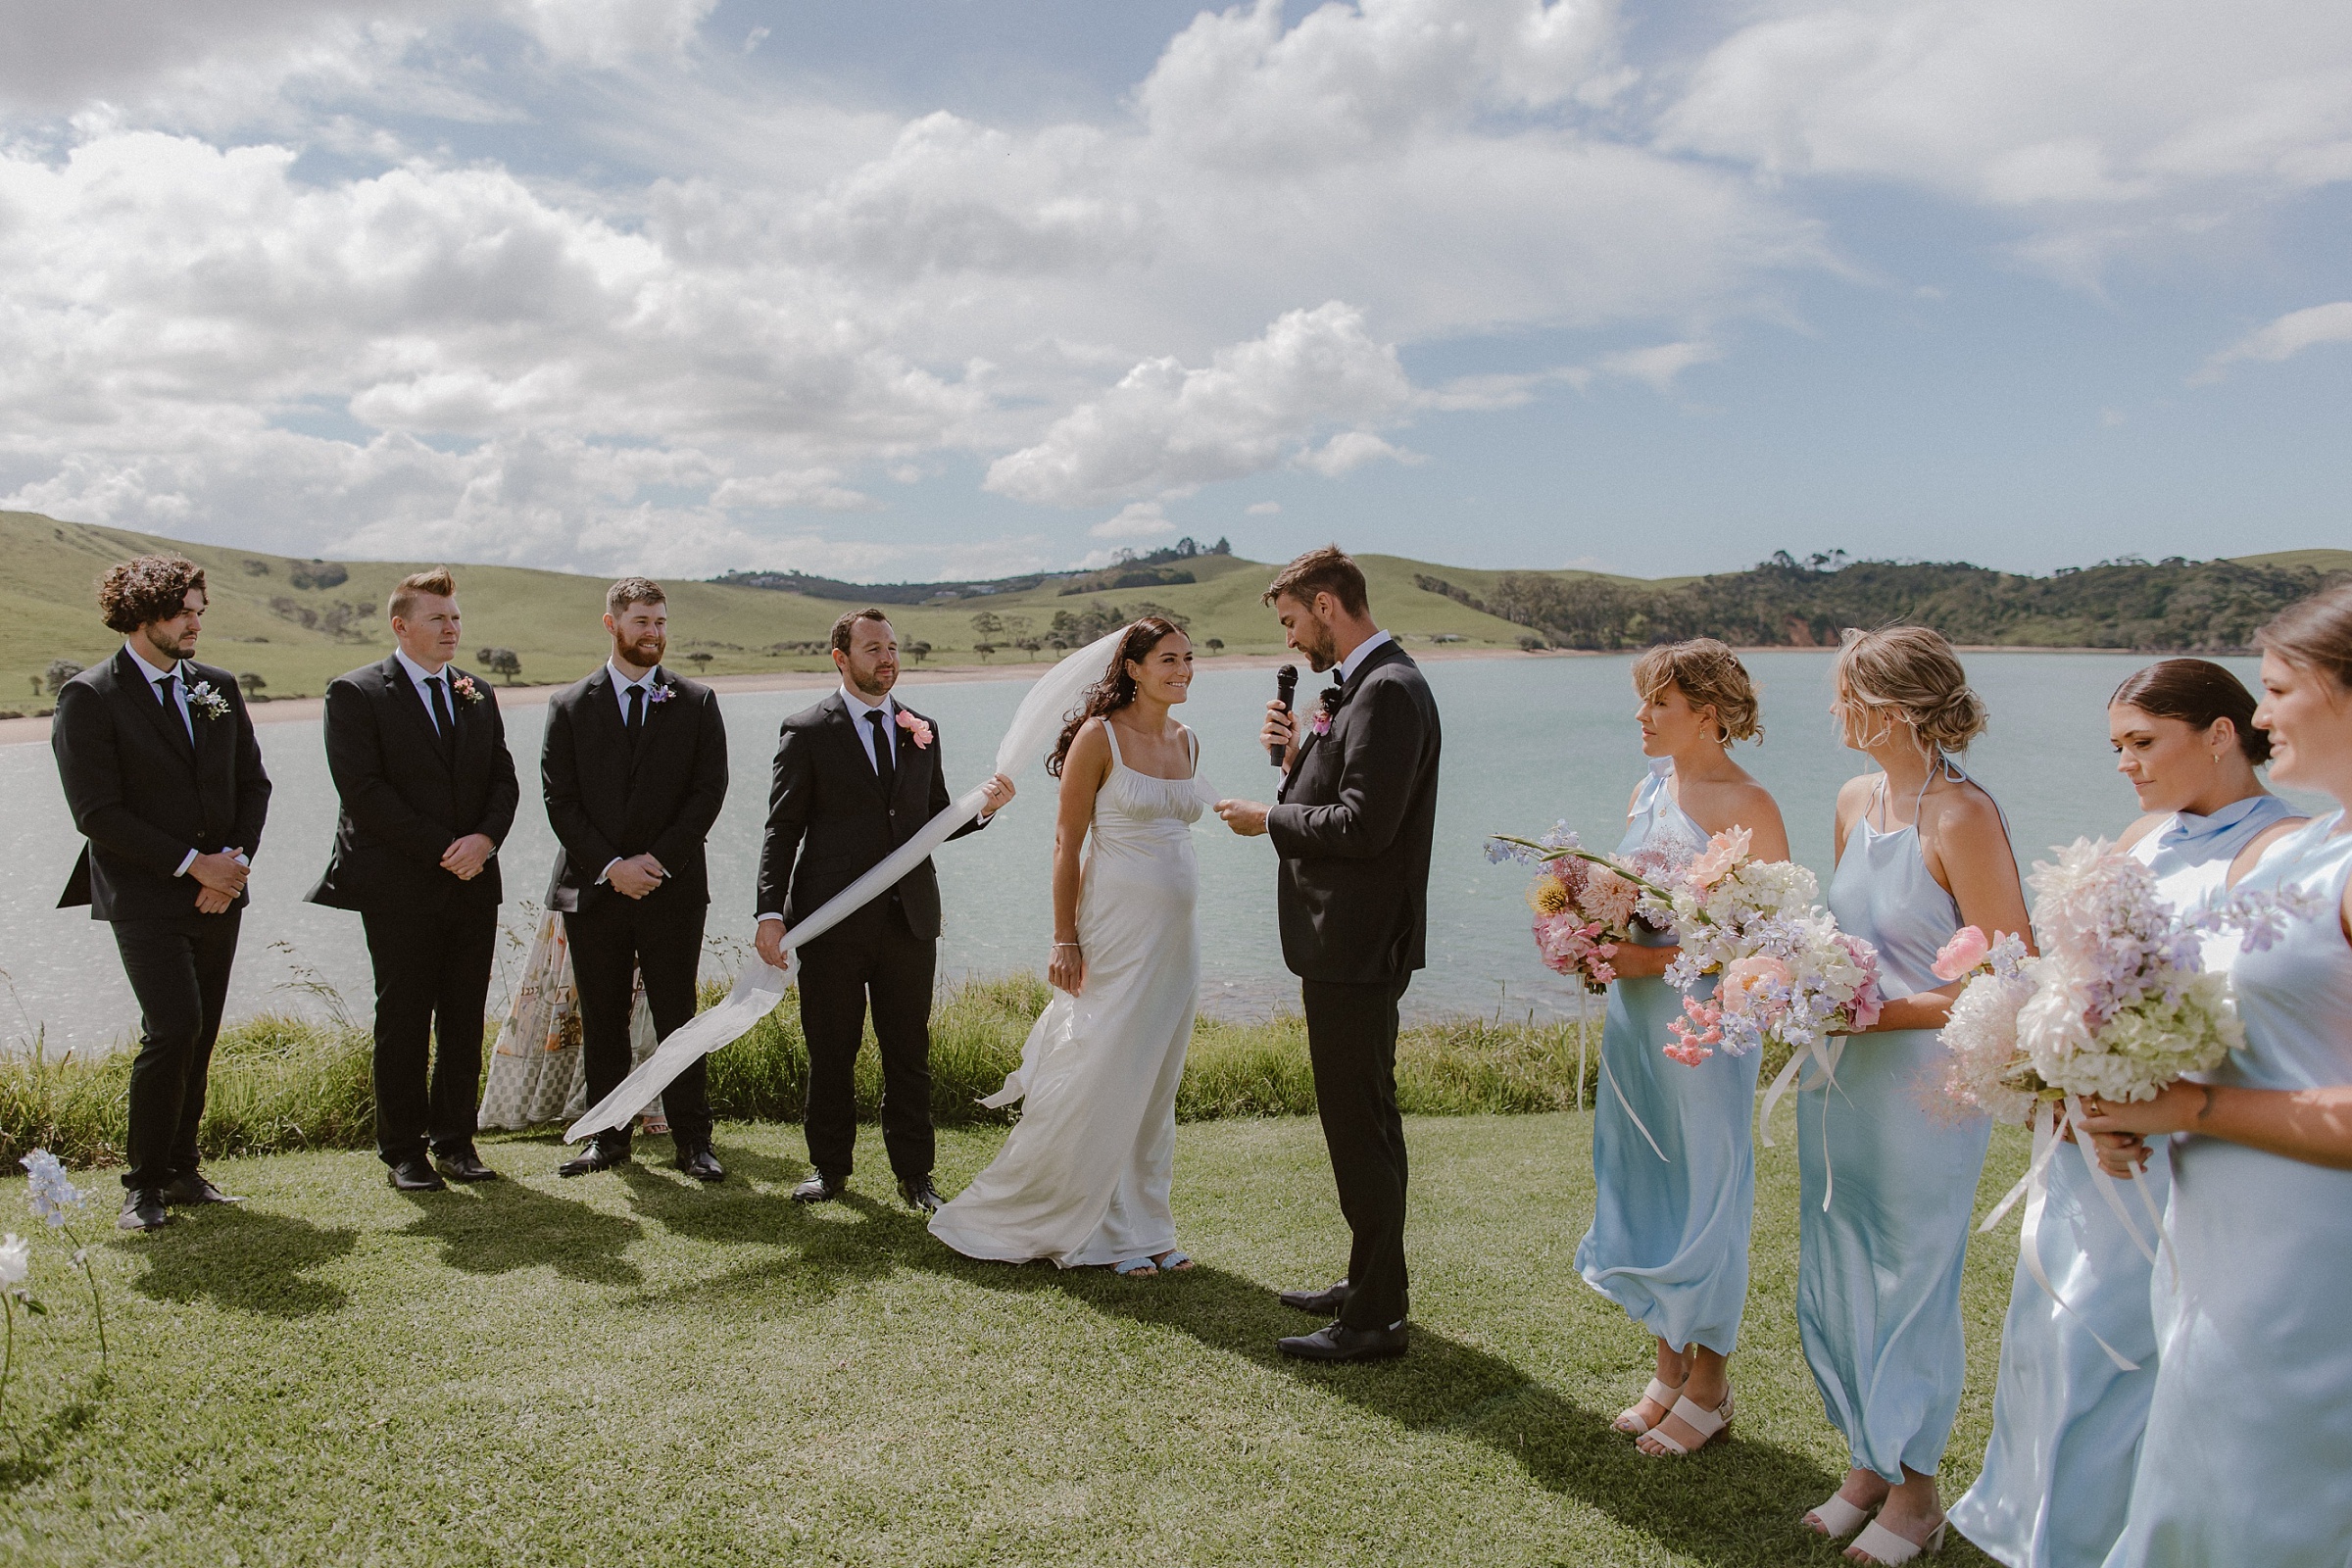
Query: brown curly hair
1116, 688
147, 588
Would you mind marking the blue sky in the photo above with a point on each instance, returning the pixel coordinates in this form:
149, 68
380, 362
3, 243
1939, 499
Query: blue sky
917, 288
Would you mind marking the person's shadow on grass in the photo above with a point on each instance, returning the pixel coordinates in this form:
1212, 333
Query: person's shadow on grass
498, 1227
246, 1260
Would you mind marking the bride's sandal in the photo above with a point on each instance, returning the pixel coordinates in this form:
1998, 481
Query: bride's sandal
1883, 1545
1135, 1268
1173, 1262
1707, 1425
1629, 1420
1836, 1518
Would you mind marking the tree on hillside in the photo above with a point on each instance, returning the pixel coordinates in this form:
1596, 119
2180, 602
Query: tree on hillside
500, 661
60, 671
918, 652
702, 661
253, 684
988, 624
1216, 645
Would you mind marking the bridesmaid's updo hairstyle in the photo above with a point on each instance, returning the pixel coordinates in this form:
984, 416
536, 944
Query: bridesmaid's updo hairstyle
1708, 675
1909, 674
1116, 688
2314, 633
2196, 692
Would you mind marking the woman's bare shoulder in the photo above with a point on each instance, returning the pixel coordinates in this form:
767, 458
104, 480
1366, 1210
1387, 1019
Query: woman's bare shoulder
2141, 829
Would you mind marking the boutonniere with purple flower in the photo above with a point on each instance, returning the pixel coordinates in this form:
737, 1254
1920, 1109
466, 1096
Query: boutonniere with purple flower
466, 688
658, 692
916, 730
1323, 714
202, 699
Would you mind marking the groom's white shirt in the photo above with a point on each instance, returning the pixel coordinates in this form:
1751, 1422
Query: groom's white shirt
1364, 651
859, 708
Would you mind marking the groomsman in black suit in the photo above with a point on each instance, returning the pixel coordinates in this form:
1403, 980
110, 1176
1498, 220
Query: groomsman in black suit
164, 777
419, 756
856, 776
1357, 810
635, 769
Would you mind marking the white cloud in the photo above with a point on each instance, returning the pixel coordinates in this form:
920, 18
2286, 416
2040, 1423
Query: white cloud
1138, 520
2290, 334
1263, 509
1349, 451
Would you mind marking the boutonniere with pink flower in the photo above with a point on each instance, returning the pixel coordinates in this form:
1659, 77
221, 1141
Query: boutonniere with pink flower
916, 729
469, 690
1324, 713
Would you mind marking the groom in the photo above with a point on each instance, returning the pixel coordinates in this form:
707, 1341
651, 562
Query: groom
1357, 805
855, 777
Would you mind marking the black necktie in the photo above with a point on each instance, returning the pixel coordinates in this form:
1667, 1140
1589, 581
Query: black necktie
636, 721
167, 692
885, 766
441, 714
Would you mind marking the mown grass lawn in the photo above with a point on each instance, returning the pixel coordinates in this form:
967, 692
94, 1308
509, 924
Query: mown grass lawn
631, 1370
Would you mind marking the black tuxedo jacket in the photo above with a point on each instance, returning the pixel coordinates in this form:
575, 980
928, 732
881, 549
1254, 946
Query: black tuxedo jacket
1357, 813
144, 795
826, 806
406, 798
608, 799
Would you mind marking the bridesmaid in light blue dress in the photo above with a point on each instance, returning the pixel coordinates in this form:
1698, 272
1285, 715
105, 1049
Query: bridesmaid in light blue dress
1889, 1171
2248, 1453
1673, 1149
2066, 1419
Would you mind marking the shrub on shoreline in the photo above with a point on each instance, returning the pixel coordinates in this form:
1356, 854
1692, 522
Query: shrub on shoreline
280, 1083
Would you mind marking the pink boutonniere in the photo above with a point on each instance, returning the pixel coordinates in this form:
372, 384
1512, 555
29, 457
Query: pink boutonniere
467, 690
1330, 705
916, 730
1322, 721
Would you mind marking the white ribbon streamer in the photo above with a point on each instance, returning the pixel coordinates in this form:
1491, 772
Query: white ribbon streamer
2037, 1193
760, 985
1629, 1107
1826, 1056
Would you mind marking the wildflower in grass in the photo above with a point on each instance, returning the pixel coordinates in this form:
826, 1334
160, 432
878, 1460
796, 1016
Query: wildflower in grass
55, 1201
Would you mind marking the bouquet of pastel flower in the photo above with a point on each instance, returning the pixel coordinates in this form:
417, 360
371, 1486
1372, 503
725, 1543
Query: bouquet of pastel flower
1989, 1075
1583, 903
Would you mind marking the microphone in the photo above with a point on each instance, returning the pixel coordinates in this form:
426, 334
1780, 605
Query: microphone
1285, 687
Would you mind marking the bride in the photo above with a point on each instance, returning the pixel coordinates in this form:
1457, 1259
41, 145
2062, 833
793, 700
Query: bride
1084, 1177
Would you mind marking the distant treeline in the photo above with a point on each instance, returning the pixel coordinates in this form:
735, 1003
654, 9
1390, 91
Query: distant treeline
1126, 570
2167, 606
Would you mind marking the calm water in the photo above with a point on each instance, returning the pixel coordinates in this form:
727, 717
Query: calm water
1528, 742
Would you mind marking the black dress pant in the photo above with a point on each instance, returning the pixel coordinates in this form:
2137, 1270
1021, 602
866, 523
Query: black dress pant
612, 943
178, 968
872, 955
432, 981
1351, 1041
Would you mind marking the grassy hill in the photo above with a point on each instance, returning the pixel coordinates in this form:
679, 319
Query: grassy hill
273, 616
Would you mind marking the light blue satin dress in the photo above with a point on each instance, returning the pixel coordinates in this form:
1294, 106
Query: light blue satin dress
1878, 1281
2066, 1420
1673, 1147
2248, 1453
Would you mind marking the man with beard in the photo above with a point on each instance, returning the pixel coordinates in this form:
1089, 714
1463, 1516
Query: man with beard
1357, 811
163, 776
635, 770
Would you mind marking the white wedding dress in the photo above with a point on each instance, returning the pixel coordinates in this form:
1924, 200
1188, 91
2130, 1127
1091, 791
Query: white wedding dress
1084, 1178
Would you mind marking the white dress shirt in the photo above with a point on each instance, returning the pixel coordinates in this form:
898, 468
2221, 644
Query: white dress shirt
179, 703
859, 708
1364, 651
424, 694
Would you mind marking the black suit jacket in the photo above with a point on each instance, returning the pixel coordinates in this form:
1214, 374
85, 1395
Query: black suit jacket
1357, 813
608, 799
826, 806
144, 795
405, 800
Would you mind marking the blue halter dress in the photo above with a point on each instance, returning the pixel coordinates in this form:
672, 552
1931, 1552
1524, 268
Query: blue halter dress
2066, 1420
1889, 1180
1673, 1149
2248, 1453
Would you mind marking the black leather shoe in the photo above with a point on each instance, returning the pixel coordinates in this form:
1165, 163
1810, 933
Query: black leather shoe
142, 1210
594, 1157
1325, 1303
921, 1194
820, 1187
1337, 1342
189, 1189
701, 1166
464, 1166
415, 1175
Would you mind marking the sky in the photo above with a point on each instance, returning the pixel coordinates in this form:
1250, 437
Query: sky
913, 289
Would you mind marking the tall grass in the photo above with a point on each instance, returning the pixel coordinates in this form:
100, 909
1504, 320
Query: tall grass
284, 1083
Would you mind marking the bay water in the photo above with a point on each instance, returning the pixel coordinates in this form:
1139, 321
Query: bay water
1529, 741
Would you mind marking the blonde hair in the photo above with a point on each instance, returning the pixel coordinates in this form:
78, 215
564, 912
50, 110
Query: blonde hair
1911, 674
1708, 675
2314, 633
405, 592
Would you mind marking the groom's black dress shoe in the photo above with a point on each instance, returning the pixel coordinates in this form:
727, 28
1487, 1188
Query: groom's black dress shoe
593, 1158
1325, 1303
142, 1210
819, 1188
414, 1175
1337, 1342
921, 1194
464, 1166
188, 1190
701, 1166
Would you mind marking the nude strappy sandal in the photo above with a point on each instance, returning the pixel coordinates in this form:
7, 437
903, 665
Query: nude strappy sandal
1629, 1420
1886, 1547
1710, 1425
1837, 1517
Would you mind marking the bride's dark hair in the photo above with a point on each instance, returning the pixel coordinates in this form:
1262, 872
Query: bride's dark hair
1116, 688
